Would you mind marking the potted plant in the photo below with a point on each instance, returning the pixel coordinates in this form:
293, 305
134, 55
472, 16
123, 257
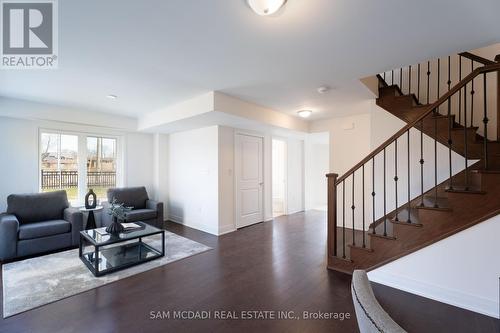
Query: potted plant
119, 213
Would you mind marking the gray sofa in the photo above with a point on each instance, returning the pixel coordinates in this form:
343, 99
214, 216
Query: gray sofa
143, 209
370, 315
37, 223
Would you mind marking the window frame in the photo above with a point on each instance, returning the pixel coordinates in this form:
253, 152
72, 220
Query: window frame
82, 158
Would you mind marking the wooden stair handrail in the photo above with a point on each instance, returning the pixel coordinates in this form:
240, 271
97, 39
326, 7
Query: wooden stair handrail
476, 58
485, 69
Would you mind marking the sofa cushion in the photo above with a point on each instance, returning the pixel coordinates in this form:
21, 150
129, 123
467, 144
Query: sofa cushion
141, 215
130, 196
37, 207
43, 229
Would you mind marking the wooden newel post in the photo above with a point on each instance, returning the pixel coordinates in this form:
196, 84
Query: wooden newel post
332, 215
497, 59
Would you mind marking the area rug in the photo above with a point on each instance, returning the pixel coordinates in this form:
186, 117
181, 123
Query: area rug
31, 283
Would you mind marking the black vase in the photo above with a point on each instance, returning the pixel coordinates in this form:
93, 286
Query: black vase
115, 227
90, 200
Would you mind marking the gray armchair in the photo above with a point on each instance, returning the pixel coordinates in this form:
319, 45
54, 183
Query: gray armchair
370, 315
143, 209
37, 223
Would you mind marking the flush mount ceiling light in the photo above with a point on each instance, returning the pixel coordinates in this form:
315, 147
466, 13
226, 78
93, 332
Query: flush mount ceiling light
305, 113
265, 7
323, 89
112, 97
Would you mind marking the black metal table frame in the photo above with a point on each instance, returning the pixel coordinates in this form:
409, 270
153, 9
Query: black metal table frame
94, 266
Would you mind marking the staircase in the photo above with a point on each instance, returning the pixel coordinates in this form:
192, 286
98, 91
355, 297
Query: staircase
377, 214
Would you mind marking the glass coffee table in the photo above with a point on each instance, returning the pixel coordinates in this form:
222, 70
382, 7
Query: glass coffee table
110, 253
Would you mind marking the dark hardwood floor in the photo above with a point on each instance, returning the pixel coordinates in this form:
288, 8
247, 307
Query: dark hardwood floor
278, 265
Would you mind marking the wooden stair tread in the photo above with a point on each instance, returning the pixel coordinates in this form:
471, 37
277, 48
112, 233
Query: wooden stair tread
403, 218
471, 189
380, 231
430, 202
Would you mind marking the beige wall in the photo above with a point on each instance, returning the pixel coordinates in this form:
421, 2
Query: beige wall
349, 137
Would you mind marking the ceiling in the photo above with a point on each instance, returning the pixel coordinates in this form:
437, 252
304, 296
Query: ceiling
156, 53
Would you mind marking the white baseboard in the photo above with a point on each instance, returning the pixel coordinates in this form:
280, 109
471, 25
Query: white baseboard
200, 227
456, 298
226, 229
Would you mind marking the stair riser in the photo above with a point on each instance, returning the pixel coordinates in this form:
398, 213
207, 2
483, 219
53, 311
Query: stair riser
388, 92
400, 102
426, 215
475, 180
400, 229
489, 182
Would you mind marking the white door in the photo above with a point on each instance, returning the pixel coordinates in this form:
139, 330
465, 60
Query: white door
249, 179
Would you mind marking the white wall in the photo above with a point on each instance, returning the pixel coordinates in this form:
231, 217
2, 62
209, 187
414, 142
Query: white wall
295, 176
261, 114
350, 142
317, 155
203, 159
23, 109
226, 180
193, 168
449, 272
139, 161
160, 170
19, 151
19, 146
279, 164
349, 137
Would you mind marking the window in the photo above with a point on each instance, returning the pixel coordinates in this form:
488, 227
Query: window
77, 163
59, 163
101, 165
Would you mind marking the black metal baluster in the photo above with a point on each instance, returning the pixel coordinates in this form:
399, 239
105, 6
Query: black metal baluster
353, 208
392, 77
485, 122
450, 125
428, 80
460, 91
373, 194
435, 165
465, 139
422, 163
438, 79
418, 83
408, 161
472, 92
401, 78
385, 200
409, 79
363, 190
343, 218
396, 176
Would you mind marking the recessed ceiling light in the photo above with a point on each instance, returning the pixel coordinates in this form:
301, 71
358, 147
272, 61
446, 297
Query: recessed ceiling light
112, 96
305, 113
265, 7
323, 89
